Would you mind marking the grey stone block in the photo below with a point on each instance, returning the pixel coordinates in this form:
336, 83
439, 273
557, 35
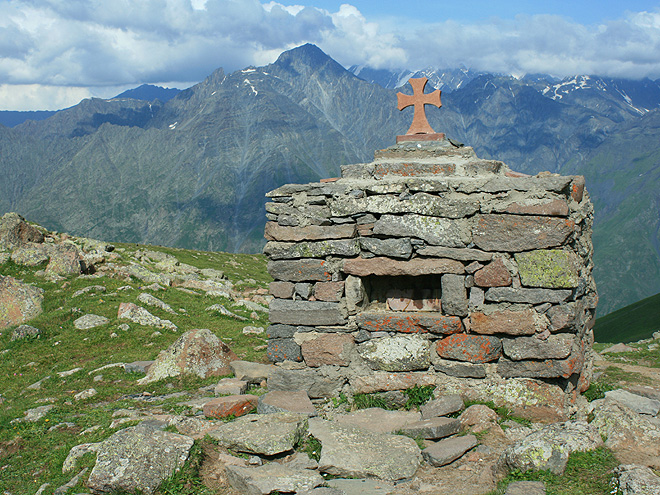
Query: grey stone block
448, 450
283, 350
530, 296
432, 428
305, 312
454, 295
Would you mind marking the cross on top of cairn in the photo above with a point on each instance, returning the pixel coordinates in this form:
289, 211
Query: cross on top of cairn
420, 130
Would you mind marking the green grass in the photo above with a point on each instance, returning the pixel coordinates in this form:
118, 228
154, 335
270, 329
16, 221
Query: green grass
587, 473
30, 454
634, 322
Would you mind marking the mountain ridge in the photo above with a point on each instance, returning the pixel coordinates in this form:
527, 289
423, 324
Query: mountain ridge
192, 171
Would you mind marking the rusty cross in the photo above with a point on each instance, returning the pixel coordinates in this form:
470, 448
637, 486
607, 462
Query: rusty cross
418, 99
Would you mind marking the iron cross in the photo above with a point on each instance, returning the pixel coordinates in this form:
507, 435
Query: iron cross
418, 99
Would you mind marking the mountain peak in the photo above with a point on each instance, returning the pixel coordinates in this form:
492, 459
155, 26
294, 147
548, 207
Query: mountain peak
310, 56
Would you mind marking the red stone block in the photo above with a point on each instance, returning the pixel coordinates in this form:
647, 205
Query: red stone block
329, 348
554, 208
525, 322
328, 291
471, 348
232, 405
362, 267
409, 323
495, 274
577, 188
276, 232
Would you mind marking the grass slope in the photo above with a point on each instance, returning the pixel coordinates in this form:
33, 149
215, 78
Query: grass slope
67, 360
630, 324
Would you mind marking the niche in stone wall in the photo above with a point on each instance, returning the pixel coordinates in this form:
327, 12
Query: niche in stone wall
403, 293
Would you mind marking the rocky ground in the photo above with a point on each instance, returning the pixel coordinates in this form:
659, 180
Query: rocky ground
131, 368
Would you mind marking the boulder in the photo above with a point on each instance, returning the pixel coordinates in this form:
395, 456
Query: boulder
19, 302
262, 434
632, 479
549, 448
15, 231
64, 261
138, 458
24, 332
348, 451
31, 254
141, 316
624, 429
89, 321
639, 404
198, 352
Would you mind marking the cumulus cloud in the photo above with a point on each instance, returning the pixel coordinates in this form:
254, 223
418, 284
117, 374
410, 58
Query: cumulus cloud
71, 47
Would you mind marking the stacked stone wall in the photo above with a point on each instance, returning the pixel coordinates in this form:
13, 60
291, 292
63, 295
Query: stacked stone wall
510, 258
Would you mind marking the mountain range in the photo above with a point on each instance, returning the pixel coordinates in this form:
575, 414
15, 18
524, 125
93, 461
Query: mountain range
191, 171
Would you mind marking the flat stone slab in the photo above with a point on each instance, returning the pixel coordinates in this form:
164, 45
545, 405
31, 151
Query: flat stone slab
432, 428
230, 386
448, 450
263, 480
251, 372
639, 404
361, 486
442, 406
286, 401
262, 434
363, 267
353, 452
232, 405
379, 420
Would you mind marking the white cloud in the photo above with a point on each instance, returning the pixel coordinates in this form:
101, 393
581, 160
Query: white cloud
40, 97
73, 46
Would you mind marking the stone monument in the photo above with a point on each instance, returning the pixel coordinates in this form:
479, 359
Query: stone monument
431, 266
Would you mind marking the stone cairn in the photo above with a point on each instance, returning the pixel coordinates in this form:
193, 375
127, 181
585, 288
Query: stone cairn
430, 264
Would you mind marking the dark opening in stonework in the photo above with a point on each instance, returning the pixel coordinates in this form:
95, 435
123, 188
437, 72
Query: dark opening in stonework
403, 293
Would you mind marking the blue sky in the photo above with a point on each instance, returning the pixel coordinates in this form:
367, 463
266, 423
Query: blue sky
53, 53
